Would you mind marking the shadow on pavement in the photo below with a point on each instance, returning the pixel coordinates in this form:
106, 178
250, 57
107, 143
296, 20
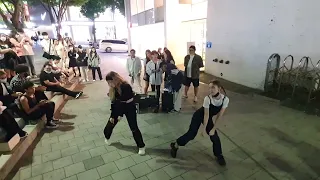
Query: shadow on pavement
306, 152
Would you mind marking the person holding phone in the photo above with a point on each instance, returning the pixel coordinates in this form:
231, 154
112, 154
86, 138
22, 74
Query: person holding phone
35, 109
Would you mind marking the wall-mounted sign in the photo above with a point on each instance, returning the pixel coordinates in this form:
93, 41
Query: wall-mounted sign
209, 44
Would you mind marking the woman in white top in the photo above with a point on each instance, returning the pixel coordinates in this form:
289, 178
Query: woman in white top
214, 104
60, 51
155, 75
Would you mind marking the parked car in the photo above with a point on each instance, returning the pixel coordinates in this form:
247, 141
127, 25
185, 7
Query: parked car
113, 45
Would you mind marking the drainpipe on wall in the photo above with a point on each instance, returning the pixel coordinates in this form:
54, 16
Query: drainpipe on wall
127, 6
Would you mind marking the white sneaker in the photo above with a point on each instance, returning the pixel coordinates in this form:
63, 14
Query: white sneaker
107, 142
93, 80
142, 151
195, 99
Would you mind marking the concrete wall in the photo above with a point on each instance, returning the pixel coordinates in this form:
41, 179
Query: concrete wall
247, 32
147, 37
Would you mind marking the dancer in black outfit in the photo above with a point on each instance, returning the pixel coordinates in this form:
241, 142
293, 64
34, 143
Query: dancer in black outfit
214, 104
121, 96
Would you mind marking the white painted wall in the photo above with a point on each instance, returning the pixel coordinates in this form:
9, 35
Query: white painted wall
147, 37
242, 32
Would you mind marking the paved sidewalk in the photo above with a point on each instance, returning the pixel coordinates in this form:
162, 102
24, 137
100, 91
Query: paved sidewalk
267, 142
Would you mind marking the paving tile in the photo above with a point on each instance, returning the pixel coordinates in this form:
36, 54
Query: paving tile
142, 178
62, 162
158, 175
36, 178
42, 168
91, 137
90, 174
225, 176
125, 163
139, 159
42, 150
107, 169
60, 145
74, 177
55, 175
36, 160
50, 140
93, 162
80, 133
261, 175
81, 156
111, 156
157, 163
69, 151
124, 174
51, 156
25, 173
178, 178
86, 146
174, 170
140, 170
66, 137
98, 151
106, 178
76, 141
74, 169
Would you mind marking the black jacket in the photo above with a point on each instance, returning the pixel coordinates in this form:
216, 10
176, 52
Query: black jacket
82, 59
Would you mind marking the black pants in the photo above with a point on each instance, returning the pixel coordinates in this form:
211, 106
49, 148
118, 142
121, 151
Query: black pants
156, 88
46, 109
62, 90
10, 125
193, 130
131, 115
94, 72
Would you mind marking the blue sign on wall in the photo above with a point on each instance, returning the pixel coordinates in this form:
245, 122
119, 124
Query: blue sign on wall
209, 44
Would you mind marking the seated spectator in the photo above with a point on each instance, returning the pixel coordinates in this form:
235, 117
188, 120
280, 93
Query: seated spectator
8, 123
48, 79
173, 83
22, 77
7, 96
35, 109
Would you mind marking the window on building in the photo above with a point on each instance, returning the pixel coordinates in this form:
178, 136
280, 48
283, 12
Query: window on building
158, 3
140, 5
134, 8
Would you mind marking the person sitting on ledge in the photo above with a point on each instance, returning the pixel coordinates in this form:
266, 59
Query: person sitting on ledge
9, 124
6, 95
35, 109
16, 84
47, 78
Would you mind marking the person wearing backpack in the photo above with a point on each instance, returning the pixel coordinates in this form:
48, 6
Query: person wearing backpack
82, 62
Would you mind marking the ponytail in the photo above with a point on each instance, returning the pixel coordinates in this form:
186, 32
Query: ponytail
218, 83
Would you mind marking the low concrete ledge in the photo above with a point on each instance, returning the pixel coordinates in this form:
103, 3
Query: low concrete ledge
9, 160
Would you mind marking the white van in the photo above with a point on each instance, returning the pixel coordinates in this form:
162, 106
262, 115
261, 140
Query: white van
112, 45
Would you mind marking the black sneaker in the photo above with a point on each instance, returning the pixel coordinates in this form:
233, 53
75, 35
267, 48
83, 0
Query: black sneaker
173, 150
51, 125
221, 161
56, 120
79, 94
23, 135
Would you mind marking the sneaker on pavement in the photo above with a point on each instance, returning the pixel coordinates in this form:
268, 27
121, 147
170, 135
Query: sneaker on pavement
54, 120
195, 99
79, 94
51, 125
25, 134
94, 80
221, 161
185, 96
107, 142
173, 150
142, 151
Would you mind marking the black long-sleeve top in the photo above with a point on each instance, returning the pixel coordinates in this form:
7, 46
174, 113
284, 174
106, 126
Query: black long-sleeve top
118, 105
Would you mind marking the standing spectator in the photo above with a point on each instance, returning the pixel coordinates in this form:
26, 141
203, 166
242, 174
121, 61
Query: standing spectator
27, 44
146, 75
60, 50
168, 58
94, 62
192, 63
10, 58
160, 54
72, 54
17, 47
47, 46
82, 61
47, 79
154, 71
35, 109
134, 69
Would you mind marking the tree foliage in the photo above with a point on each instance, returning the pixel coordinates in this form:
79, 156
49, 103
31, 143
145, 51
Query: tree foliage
93, 8
12, 13
116, 4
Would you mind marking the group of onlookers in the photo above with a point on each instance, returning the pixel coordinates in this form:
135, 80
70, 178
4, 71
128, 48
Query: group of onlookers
157, 63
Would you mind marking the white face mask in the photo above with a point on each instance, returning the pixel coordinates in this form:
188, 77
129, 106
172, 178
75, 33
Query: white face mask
3, 80
45, 37
48, 70
3, 38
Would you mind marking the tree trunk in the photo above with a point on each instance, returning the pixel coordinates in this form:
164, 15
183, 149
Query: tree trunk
114, 26
94, 31
16, 16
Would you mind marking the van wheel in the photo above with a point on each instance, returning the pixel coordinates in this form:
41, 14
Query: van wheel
108, 49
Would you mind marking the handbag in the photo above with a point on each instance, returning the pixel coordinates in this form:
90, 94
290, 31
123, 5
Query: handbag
47, 55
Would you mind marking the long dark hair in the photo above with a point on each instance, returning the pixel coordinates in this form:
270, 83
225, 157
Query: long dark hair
218, 83
95, 52
6, 42
169, 56
147, 58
